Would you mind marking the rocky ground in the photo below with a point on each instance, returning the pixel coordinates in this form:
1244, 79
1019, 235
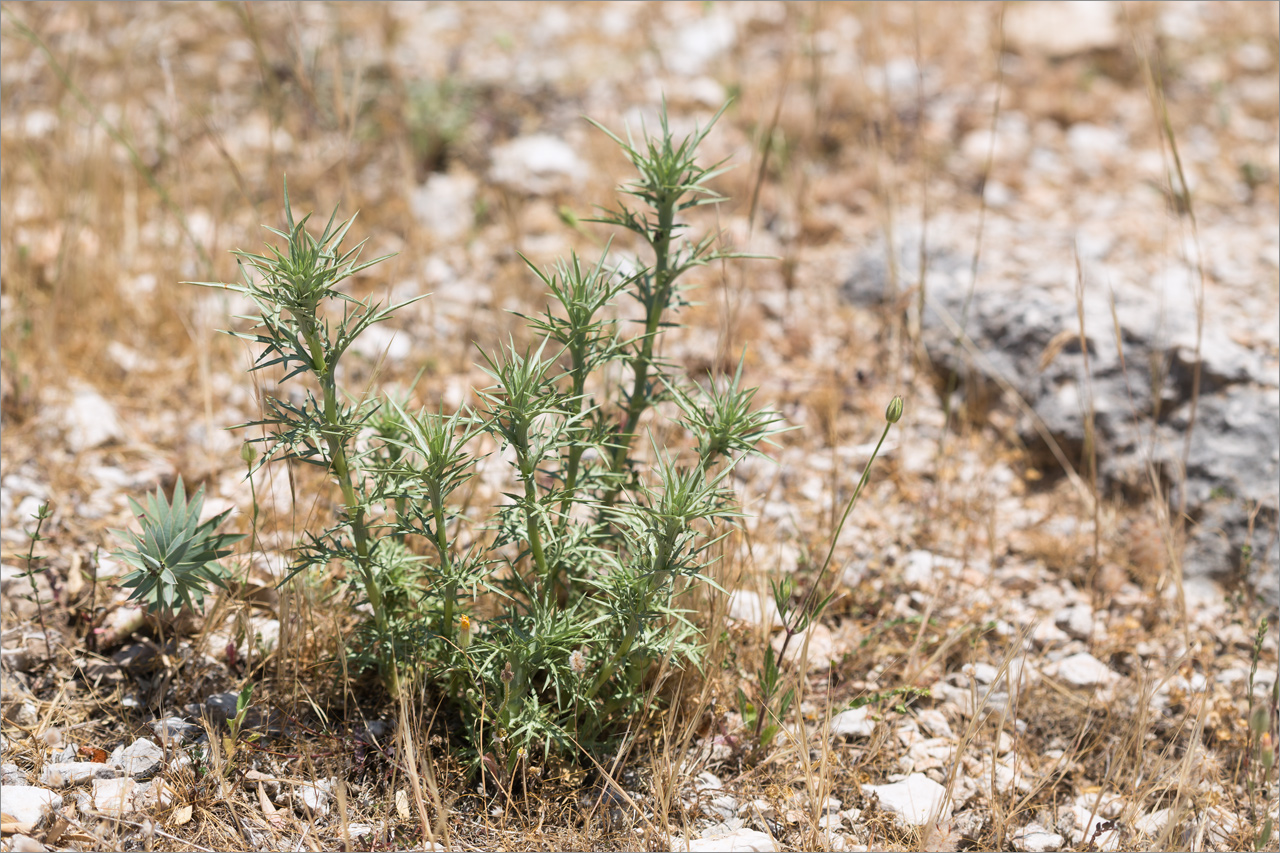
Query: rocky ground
1054, 228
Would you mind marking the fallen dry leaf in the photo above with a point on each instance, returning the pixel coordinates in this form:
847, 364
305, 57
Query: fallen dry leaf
402, 804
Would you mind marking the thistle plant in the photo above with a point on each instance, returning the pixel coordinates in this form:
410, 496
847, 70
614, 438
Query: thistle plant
295, 293
546, 631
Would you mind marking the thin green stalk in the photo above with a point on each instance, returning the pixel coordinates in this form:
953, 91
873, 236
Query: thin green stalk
441, 543
639, 399
574, 458
532, 531
355, 512
892, 415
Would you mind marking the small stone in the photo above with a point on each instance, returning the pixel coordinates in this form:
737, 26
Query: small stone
934, 722
1082, 826
75, 773
222, 706
1059, 29
853, 723
140, 761
1152, 823
693, 47
763, 808
18, 660
915, 800
924, 569
11, 774
823, 649
1034, 838
536, 165
1047, 635
722, 808
738, 841
707, 781
746, 606
113, 797
90, 421
1084, 670
1076, 620
314, 798
445, 204
175, 729
28, 805
25, 844
156, 793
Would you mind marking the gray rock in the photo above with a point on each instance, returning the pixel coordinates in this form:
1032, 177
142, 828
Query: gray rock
1076, 620
75, 773
314, 798
915, 800
90, 421
221, 707
25, 844
740, 840
28, 805
1034, 838
11, 774
536, 165
697, 43
1058, 29
445, 204
1026, 333
746, 606
175, 729
707, 781
854, 723
142, 760
1084, 670
113, 797
723, 808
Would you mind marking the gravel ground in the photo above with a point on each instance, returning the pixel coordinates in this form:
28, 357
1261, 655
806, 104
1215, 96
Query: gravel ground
1049, 601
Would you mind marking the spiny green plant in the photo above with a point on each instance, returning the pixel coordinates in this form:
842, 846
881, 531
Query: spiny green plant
547, 630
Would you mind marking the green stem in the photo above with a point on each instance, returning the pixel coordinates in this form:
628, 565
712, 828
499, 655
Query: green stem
355, 512
789, 626
575, 451
606, 672
639, 399
532, 531
446, 564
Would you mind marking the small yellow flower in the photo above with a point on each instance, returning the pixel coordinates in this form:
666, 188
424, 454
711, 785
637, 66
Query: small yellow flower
464, 632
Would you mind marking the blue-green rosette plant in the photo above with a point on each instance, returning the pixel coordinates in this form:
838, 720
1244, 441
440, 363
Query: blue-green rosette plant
177, 555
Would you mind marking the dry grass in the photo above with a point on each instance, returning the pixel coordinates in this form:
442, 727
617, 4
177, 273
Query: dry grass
142, 142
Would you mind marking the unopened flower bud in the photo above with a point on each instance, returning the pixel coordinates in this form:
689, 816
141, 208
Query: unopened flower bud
464, 632
1259, 719
248, 452
894, 413
507, 674
1266, 751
